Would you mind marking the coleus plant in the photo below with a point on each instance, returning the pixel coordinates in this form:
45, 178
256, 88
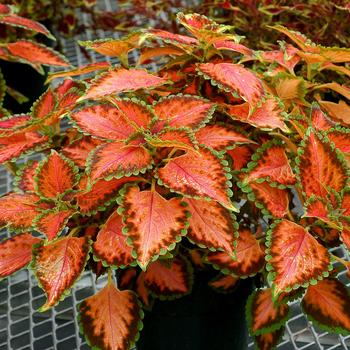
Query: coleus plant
224, 158
24, 50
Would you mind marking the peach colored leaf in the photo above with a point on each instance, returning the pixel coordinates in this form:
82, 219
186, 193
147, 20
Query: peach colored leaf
234, 78
265, 116
183, 111
249, 258
55, 176
119, 80
274, 199
101, 193
103, 120
14, 146
110, 245
219, 137
36, 53
319, 166
153, 223
172, 38
265, 316
169, 279
319, 120
232, 46
51, 222
15, 253
116, 159
340, 111
272, 164
295, 256
211, 225
18, 210
224, 283
58, 264
111, 319
197, 175
328, 305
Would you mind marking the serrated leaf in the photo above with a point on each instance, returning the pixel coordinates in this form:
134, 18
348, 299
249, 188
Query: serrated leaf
24, 180
58, 264
340, 138
319, 120
119, 80
52, 222
142, 291
18, 210
220, 137
224, 283
274, 165
183, 111
26, 23
340, 111
110, 245
296, 256
44, 105
286, 57
240, 156
265, 116
101, 192
274, 199
317, 208
14, 146
36, 54
249, 258
104, 121
169, 279
320, 167
110, 319
79, 150
118, 159
341, 89
172, 38
5, 9
153, 223
211, 225
234, 78
148, 54
328, 304
263, 314
55, 176
9, 125
269, 341
197, 175
232, 46
15, 253
290, 88
301, 40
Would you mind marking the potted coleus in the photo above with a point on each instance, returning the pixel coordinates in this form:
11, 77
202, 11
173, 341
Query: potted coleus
225, 159
22, 60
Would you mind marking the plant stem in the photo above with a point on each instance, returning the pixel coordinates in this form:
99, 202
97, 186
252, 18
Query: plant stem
11, 167
74, 231
110, 279
340, 260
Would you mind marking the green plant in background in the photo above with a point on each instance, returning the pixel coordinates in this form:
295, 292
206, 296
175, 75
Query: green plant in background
196, 165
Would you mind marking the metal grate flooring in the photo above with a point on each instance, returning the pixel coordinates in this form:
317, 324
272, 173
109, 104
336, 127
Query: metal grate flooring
23, 328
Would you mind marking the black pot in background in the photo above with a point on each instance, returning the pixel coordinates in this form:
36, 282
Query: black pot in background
202, 320
24, 79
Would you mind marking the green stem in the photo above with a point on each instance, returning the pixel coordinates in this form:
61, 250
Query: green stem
11, 167
340, 260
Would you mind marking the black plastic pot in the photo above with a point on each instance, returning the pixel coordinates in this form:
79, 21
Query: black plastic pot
202, 320
24, 79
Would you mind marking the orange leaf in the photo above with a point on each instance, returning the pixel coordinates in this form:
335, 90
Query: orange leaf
142, 291
183, 111
240, 156
268, 341
148, 54
100, 194
52, 222
220, 137
319, 120
197, 175
119, 80
110, 319
224, 283
36, 54
57, 266
273, 165
17, 145
169, 279
234, 78
178, 138
328, 304
249, 257
110, 245
116, 159
171, 38
18, 210
295, 256
44, 105
265, 316
55, 176
340, 111
15, 253
265, 116
232, 46
319, 167
24, 180
211, 225
153, 223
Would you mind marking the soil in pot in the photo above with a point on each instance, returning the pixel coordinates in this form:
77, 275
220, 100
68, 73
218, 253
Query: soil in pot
202, 320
